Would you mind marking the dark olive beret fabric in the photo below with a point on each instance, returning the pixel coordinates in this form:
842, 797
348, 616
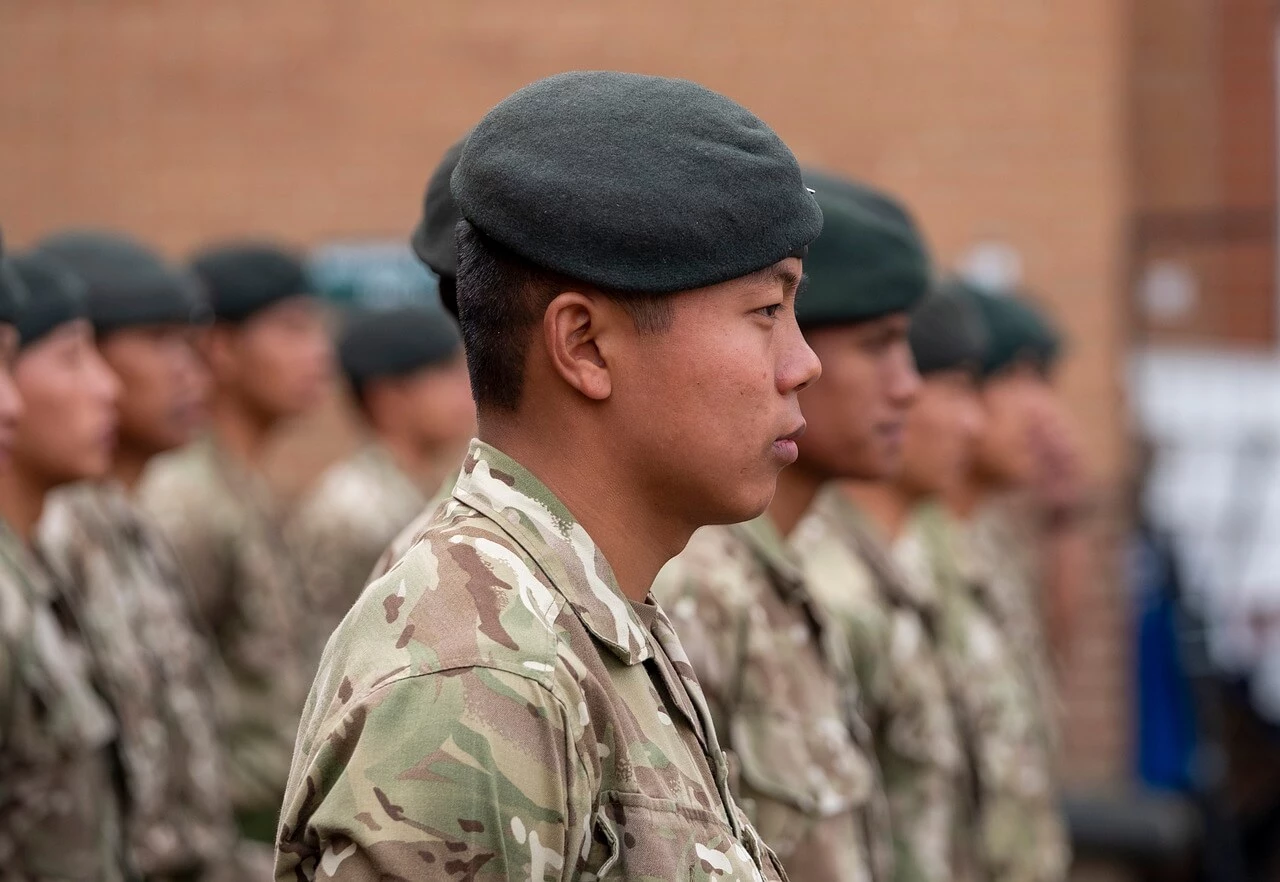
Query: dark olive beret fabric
12, 292
391, 343
1017, 331
433, 238
947, 333
634, 183
245, 278
865, 264
878, 202
55, 296
128, 284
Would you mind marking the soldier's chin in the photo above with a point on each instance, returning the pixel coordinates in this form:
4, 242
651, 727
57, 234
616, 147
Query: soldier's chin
748, 503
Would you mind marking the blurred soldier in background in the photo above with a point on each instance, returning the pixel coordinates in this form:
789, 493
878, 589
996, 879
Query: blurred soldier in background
268, 351
776, 671
408, 377
62, 804
890, 615
131, 596
1002, 695
507, 701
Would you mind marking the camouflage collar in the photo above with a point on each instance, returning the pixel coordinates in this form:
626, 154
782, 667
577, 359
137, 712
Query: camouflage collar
762, 537
498, 487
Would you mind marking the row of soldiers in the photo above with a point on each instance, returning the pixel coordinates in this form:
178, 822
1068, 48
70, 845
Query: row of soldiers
561, 667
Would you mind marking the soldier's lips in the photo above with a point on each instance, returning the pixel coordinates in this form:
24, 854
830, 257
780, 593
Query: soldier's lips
785, 448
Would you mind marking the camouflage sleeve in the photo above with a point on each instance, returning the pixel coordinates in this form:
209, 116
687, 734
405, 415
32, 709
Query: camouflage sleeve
472, 773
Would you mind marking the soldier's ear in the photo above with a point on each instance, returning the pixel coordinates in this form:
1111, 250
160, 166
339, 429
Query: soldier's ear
573, 327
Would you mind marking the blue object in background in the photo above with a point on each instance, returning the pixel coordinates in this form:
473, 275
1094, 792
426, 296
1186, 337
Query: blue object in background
1166, 723
372, 275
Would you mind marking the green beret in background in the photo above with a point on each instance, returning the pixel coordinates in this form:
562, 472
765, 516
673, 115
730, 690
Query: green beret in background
241, 279
395, 342
12, 292
947, 333
56, 296
867, 263
433, 237
370, 275
634, 183
128, 284
1018, 332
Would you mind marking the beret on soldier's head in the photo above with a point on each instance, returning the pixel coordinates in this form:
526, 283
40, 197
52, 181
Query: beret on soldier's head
947, 333
866, 263
878, 202
243, 279
633, 184
433, 237
128, 284
395, 342
12, 292
55, 296
1017, 331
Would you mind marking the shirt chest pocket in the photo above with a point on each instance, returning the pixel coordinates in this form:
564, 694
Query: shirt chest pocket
637, 837
796, 773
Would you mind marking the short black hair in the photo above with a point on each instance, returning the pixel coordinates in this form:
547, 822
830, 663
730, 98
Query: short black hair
501, 297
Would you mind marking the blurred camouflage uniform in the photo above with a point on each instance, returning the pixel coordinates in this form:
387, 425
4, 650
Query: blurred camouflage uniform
125, 587
891, 624
1020, 826
1003, 547
495, 708
221, 520
60, 807
777, 682
342, 528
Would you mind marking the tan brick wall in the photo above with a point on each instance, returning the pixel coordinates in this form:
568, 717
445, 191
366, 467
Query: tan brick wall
188, 120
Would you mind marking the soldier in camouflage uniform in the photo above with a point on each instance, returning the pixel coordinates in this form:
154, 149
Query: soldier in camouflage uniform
124, 581
891, 615
776, 670
507, 701
61, 806
407, 374
268, 352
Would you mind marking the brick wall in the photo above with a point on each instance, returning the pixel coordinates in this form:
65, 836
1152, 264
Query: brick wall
997, 121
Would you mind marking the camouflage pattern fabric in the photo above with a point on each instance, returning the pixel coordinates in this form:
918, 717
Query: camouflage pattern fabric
1004, 551
408, 537
340, 530
777, 682
1020, 828
154, 668
493, 707
60, 810
890, 622
245, 592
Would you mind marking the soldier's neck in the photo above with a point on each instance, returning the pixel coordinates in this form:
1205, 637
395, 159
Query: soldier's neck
797, 488
128, 466
239, 430
967, 497
425, 465
22, 498
886, 506
636, 538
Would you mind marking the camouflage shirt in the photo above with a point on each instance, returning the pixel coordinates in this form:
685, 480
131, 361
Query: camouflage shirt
493, 708
245, 592
890, 622
153, 667
778, 685
1020, 828
60, 809
1004, 554
357, 507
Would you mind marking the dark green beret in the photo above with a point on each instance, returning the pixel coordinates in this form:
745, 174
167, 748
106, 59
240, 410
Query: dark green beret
128, 283
876, 201
12, 292
243, 279
56, 295
433, 237
1017, 331
634, 183
395, 342
947, 333
865, 265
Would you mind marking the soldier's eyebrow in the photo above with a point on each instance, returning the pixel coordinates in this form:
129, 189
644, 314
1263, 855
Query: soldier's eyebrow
802, 286
784, 273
